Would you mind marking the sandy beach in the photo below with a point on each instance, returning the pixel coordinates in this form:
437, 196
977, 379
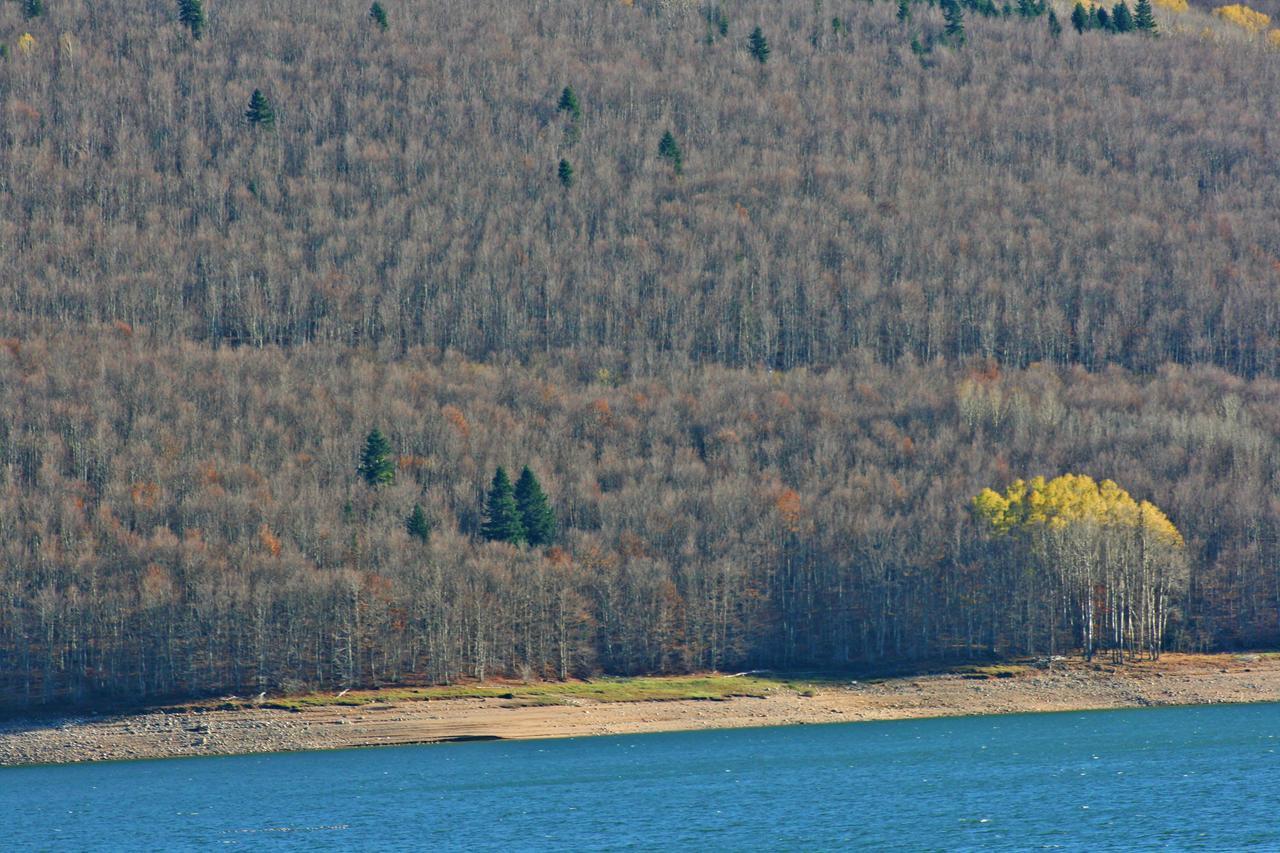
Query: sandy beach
1064, 686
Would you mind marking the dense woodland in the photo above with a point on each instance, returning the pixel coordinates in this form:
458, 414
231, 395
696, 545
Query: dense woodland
761, 326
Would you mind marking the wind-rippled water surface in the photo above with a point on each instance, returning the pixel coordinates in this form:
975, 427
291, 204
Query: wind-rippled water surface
1176, 778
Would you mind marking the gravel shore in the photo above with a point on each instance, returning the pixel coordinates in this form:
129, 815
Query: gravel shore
1065, 686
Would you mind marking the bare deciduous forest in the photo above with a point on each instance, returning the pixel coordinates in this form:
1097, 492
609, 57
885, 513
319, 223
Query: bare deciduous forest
760, 378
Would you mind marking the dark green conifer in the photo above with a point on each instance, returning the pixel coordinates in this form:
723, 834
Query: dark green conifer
417, 524
569, 103
375, 460
536, 515
904, 10
954, 17
260, 112
1101, 20
1055, 28
669, 150
33, 8
1080, 19
1121, 17
722, 22
566, 173
758, 45
191, 16
1144, 20
837, 26
378, 15
502, 521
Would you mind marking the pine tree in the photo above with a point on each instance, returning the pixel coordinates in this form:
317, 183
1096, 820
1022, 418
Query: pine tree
904, 10
191, 16
417, 524
566, 174
375, 461
378, 15
1080, 18
536, 515
669, 150
954, 17
758, 45
569, 103
260, 111
33, 8
1145, 20
1101, 19
1055, 28
1121, 17
501, 515
1028, 8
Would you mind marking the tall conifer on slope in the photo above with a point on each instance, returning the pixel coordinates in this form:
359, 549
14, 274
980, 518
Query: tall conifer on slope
535, 511
502, 521
375, 460
191, 16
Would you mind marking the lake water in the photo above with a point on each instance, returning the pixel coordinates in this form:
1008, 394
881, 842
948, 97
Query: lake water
1176, 778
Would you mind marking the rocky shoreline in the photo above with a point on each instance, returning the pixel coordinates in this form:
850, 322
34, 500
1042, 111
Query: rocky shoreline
1063, 686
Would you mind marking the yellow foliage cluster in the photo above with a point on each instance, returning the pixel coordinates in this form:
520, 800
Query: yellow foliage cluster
1172, 5
26, 43
1243, 16
1067, 500
1274, 38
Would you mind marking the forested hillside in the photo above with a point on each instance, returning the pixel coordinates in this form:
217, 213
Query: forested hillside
763, 312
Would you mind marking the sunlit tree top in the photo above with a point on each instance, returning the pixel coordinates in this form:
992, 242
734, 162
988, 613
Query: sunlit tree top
1067, 500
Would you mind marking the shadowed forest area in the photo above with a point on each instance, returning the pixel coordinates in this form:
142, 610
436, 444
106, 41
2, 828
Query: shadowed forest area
762, 327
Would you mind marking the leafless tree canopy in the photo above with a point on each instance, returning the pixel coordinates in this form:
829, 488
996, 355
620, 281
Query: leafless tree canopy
759, 392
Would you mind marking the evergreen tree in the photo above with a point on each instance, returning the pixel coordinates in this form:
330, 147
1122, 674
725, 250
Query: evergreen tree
904, 10
375, 461
1028, 8
954, 17
501, 515
191, 16
669, 150
536, 515
566, 174
1055, 28
378, 15
1145, 19
1121, 17
837, 26
1079, 18
260, 111
569, 103
33, 8
417, 524
758, 45
1101, 20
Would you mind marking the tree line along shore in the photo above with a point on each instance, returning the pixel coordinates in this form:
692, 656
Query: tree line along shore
819, 334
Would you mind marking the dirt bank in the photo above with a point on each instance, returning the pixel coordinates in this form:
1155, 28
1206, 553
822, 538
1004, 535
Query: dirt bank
1068, 685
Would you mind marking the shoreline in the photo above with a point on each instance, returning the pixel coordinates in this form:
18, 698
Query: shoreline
1070, 685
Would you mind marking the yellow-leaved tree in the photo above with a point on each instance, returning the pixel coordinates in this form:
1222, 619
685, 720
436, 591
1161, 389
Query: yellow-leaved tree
1244, 17
1113, 565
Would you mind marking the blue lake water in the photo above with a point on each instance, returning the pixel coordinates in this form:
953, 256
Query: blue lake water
1173, 778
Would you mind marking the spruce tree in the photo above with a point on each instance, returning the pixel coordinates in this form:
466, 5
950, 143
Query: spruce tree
375, 460
260, 112
378, 15
904, 10
417, 524
669, 150
1028, 8
33, 8
1079, 18
1055, 28
759, 46
191, 16
566, 174
1121, 17
1144, 20
569, 103
536, 515
501, 515
1101, 20
954, 17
